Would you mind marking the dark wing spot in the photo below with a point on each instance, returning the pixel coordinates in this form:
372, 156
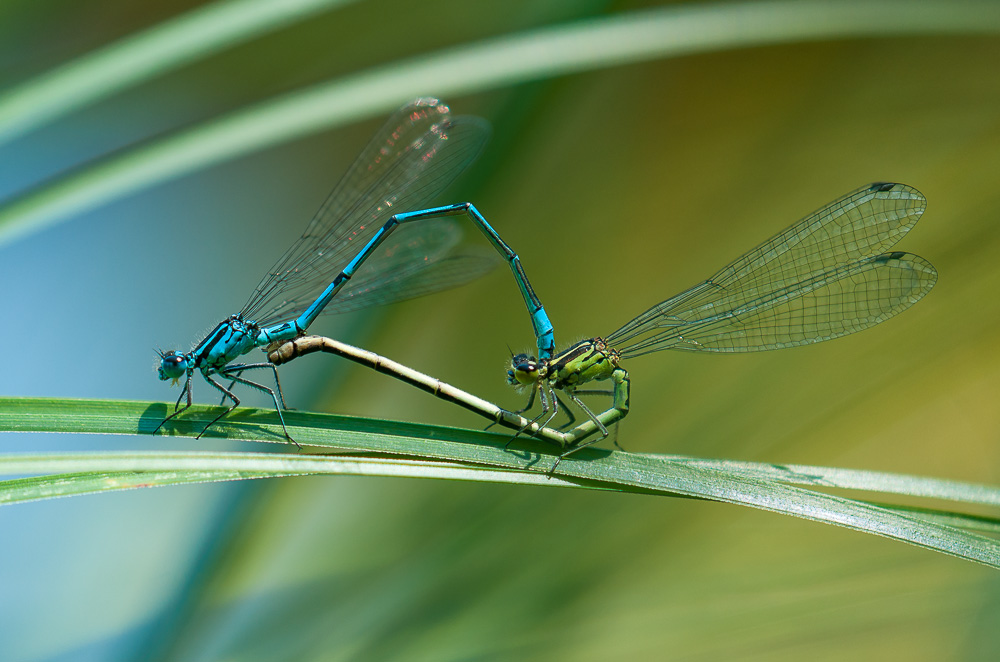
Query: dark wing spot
884, 258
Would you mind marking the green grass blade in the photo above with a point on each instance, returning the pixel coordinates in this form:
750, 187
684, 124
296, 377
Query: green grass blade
432, 451
93, 473
500, 62
110, 471
723, 486
168, 45
982, 524
37, 488
852, 479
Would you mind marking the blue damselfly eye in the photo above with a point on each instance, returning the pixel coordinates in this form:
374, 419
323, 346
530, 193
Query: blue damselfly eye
173, 365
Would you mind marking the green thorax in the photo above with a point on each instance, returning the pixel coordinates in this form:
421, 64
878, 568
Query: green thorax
586, 361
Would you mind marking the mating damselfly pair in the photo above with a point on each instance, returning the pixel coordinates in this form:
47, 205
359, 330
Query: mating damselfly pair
826, 276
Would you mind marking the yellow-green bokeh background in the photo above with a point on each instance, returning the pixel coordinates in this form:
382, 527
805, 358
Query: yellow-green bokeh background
618, 188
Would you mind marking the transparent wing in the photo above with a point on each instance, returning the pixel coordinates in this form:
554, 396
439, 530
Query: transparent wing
824, 277
421, 244
415, 156
411, 280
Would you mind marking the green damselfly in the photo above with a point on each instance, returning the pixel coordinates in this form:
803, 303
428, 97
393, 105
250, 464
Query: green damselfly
826, 276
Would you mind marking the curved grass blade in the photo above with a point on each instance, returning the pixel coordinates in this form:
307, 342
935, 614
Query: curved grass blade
114, 471
168, 45
531, 55
176, 468
110, 472
433, 451
37, 488
853, 479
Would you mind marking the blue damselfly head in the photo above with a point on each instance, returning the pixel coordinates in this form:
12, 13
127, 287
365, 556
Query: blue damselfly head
173, 365
524, 370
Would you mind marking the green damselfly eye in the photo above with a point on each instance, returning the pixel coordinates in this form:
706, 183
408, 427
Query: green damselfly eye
523, 370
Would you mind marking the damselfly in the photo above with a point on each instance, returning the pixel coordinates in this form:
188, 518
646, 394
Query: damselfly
415, 156
824, 277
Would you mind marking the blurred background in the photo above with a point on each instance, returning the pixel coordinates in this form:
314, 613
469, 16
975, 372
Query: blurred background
618, 186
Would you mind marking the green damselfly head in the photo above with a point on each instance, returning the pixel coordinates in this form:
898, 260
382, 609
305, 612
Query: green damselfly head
524, 370
173, 365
